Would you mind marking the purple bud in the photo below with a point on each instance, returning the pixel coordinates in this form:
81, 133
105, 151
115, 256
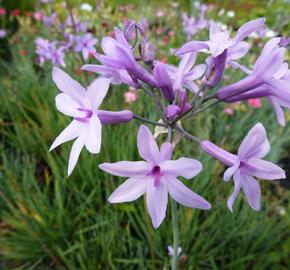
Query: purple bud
216, 69
163, 81
108, 117
172, 111
284, 42
147, 52
182, 98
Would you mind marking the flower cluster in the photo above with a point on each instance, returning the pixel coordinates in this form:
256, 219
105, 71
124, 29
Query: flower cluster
178, 92
75, 38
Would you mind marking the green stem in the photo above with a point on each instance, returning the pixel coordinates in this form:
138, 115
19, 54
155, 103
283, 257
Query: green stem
174, 260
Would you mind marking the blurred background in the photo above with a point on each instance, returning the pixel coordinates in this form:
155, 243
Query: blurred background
49, 221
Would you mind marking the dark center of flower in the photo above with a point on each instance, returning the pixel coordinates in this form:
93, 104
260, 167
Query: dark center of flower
156, 172
88, 114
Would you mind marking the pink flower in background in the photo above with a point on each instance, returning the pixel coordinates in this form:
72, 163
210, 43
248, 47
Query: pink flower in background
255, 103
159, 13
38, 15
229, 111
15, 12
2, 11
130, 96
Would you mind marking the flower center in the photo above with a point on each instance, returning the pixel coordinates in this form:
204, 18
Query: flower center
85, 118
156, 172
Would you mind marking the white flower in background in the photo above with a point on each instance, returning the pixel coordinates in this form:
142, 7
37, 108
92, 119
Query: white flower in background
221, 12
171, 251
281, 210
86, 7
270, 33
231, 14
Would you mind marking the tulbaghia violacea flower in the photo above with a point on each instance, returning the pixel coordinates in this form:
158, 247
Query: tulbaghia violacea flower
156, 176
49, 20
119, 56
270, 78
86, 45
186, 73
246, 165
222, 48
219, 40
83, 105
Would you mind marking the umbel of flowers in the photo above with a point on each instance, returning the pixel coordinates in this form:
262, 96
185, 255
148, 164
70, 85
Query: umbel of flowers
176, 95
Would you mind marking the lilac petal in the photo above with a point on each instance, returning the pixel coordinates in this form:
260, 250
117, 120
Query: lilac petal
72, 131
156, 201
248, 28
213, 29
218, 153
69, 86
191, 86
196, 72
278, 111
127, 168
75, 151
279, 88
108, 117
108, 45
130, 190
187, 62
246, 84
267, 66
237, 187
96, 69
231, 171
192, 46
166, 150
97, 91
183, 195
185, 167
281, 72
238, 51
68, 106
94, 135
219, 43
255, 144
236, 65
147, 146
263, 169
163, 81
252, 191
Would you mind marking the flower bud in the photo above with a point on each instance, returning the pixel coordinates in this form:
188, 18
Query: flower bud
147, 52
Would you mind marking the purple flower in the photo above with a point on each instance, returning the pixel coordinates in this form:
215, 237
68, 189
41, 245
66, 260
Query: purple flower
3, 33
56, 56
219, 40
246, 165
81, 104
49, 20
80, 27
86, 45
131, 30
119, 55
191, 25
269, 78
156, 176
185, 74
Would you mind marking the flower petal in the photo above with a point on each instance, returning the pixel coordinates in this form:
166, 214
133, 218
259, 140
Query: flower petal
187, 62
130, 190
108, 45
75, 151
94, 135
183, 195
97, 91
147, 146
255, 144
263, 169
252, 191
68, 106
192, 46
248, 28
231, 171
185, 167
237, 187
127, 168
166, 150
238, 51
69, 86
72, 131
278, 111
156, 201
